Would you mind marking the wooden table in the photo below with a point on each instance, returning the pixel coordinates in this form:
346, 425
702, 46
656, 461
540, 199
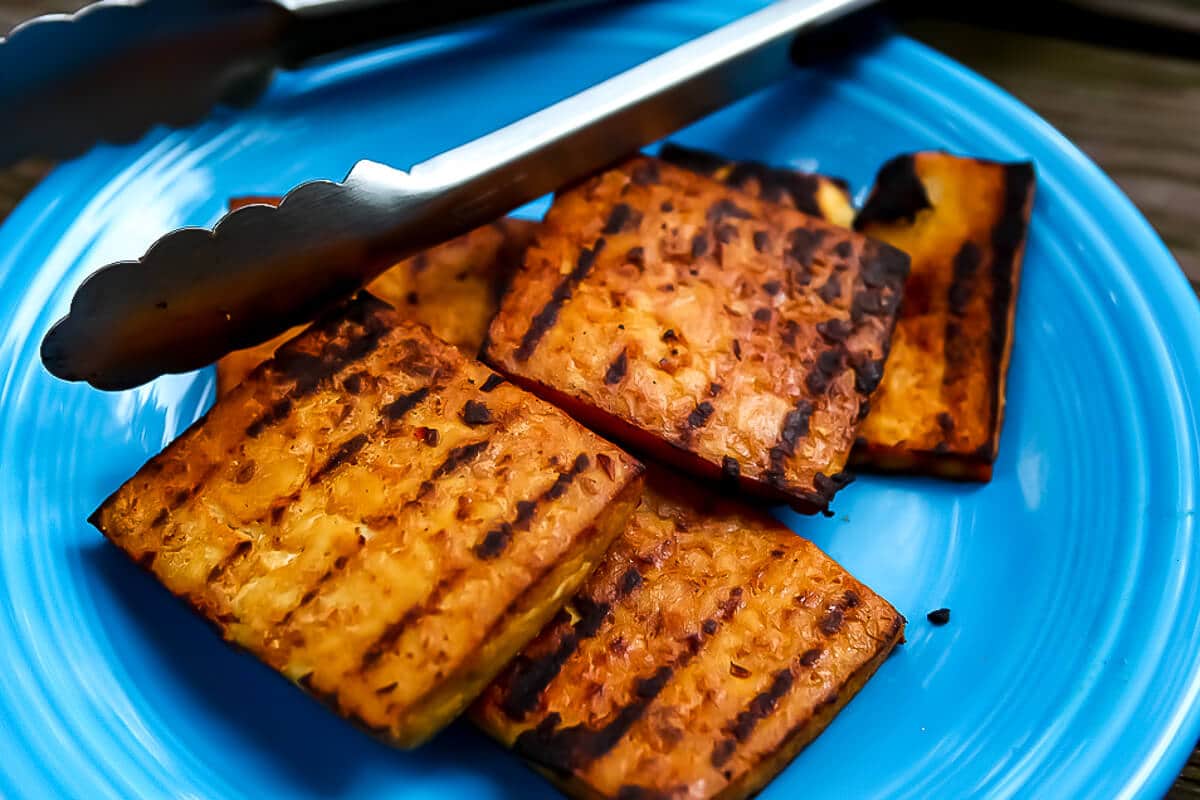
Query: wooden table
1120, 79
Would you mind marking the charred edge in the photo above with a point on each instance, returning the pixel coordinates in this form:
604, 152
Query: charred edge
829, 485
531, 676
240, 550
568, 749
795, 427
731, 471
459, 456
884, 266
343, 454
616, 370
392, 633
872, 303
491, 383
898, 195
631, 791
701, 161
622, 219
835, 331
405, 403
646, 173
966, 265
546, 318
761, 707
867, 375
1007, 238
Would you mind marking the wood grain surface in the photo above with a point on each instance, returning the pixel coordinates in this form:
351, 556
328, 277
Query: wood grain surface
1135, 112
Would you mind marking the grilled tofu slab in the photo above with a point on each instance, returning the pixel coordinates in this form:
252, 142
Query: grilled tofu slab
963, 221
453, 288
377, 517
733, 337
709, 647
816, 195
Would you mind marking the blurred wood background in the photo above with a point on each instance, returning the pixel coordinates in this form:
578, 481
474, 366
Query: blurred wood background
1120, 78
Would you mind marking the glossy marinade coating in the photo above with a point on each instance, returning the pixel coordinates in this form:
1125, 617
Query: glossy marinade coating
817, 195
453, 288
963, 221
707, 649
379, 518
734, 337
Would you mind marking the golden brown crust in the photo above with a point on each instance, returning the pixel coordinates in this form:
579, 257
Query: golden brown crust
816, 195
709, 646
735, 337
453, 288
377, 517
963, 221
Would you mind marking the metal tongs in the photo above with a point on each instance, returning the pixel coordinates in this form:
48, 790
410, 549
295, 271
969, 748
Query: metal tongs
198, 294
112, 70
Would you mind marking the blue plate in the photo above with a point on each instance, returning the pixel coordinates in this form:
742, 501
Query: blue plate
1069, 669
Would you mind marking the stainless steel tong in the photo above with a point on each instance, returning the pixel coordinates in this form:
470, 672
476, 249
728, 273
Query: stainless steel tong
198, 294
117, 67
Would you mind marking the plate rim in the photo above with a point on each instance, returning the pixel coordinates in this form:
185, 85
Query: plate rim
1165, 276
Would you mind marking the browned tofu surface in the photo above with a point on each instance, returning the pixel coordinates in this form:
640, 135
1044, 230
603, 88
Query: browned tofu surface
453, 288
379, 518
817, 195
733, 337
708, 648
963, 221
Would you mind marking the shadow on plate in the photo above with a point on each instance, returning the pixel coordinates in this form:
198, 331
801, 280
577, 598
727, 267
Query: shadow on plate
243, 721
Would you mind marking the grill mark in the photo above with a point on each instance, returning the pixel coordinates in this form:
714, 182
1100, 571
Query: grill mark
491, 383
726, 209
803, 244
346, 452
237, 554
496, 541
565, 750
762, 706
966, 264
700, 245
616, 370
457, 457
392, 633
405, 403
898, 195
546, 318
699, 416
622, 219
794, 428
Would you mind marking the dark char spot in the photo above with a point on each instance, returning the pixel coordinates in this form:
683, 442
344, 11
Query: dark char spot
616, 370
898, 194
